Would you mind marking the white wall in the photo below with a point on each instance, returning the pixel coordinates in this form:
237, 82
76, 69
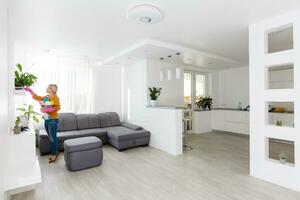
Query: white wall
172, 90
3, 91
107, 87
227, 87
233, 87
261, 166
165, 125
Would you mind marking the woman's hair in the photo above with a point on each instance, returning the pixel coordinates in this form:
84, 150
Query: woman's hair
54, 88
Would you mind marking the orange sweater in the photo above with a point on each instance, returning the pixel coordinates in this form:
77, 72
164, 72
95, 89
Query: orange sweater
56, 105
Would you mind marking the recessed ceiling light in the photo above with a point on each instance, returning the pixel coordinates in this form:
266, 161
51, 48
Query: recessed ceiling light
145, 13
178, 53
161, 58
169, 56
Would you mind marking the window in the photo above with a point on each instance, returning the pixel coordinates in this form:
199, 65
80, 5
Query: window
199, 86
194, 87
74, 78
187, 89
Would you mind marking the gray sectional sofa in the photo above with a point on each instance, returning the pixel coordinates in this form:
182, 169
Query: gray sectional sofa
105, 126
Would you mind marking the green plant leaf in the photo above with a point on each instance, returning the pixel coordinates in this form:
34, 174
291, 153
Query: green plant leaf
35, 113
30, 108
21, 109
19, 66
35, 119
24, 79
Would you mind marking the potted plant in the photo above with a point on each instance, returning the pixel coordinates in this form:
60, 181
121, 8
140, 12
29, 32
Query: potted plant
23, 79
27, 114
154, 94
204, 102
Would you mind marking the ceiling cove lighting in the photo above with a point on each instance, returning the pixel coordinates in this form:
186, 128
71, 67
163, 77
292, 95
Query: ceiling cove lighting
145, 13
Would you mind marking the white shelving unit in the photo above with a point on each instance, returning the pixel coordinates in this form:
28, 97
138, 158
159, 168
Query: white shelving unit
23, 169
19, 92
261, 166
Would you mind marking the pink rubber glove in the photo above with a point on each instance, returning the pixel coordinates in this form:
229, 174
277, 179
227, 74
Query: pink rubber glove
47, 110
28, 89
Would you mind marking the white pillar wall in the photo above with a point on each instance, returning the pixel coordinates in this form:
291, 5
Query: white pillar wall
261, 166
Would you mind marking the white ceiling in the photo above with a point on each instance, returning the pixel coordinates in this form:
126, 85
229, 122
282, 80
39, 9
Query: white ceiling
99, 29
170, 53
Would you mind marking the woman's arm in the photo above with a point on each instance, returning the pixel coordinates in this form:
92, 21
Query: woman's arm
34, 96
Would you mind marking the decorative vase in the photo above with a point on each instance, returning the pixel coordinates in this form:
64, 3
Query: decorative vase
17, 129
19, 88
283, 158
153, 103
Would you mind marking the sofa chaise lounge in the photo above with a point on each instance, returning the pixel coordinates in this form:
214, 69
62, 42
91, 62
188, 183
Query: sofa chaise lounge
106, 126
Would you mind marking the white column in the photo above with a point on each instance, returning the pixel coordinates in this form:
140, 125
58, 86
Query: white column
260, 164
3, 91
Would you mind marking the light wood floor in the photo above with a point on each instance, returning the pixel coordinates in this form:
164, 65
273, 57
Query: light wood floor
217, 169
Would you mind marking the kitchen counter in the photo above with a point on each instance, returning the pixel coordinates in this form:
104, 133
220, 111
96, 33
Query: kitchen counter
167, 107
230, 109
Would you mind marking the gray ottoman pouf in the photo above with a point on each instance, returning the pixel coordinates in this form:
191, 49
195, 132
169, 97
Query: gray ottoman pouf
82, 153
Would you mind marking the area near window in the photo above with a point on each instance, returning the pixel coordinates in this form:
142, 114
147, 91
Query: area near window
194, 87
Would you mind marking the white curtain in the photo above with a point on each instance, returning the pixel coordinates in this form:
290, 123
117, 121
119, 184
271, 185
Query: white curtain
74, 78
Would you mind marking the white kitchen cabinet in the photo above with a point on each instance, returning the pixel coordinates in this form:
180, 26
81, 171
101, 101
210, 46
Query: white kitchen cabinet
217, 119
237, 122
231, 121
201, 122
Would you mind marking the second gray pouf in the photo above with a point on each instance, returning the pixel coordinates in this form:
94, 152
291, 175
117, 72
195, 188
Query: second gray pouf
83, 153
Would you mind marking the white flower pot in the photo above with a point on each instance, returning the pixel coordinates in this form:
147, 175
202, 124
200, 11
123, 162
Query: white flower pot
153, 103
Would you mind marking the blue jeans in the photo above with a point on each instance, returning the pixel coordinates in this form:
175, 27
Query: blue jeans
51, 128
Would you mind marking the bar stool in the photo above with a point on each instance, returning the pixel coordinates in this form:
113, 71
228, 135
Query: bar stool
187, 122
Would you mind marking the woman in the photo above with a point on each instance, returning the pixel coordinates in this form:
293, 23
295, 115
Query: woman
51, 119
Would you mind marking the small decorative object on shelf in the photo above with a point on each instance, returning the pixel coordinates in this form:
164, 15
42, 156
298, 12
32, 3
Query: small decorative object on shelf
27, 114
239, 107
23, 79
283, 157
17, 127
204, 103
248, 108
278, 123
154, 94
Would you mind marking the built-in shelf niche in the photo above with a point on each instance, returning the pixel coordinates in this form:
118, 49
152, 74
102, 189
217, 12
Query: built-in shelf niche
280, 114
282, 151
280, 76
280, 39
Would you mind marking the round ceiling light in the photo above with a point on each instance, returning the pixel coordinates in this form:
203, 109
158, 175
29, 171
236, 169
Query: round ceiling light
145, 13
